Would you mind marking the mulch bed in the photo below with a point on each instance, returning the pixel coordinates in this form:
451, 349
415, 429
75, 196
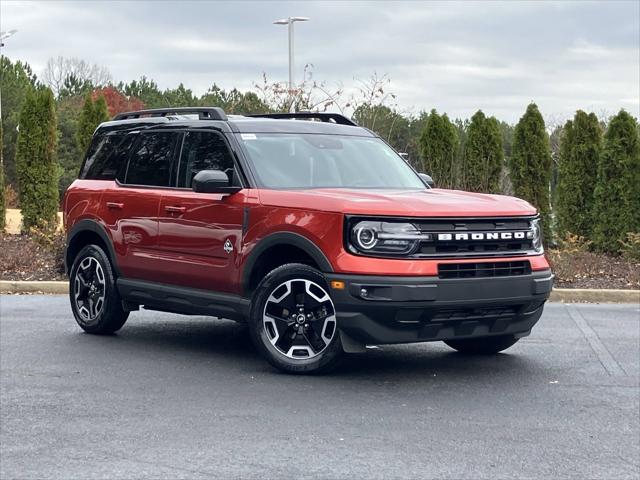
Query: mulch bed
23, 258
592, 270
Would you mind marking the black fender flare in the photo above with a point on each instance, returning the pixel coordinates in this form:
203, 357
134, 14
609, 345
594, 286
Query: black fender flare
284, 238
94, 227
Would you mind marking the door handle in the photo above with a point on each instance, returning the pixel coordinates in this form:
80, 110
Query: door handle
172, 209
115, 205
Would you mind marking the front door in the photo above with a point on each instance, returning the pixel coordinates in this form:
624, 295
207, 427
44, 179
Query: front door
200, 234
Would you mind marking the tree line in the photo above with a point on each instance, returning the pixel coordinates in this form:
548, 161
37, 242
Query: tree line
584, 178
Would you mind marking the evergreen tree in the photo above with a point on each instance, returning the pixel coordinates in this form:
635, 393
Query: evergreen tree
100, 112
530, 164
483, 155
68, 154
438, 146
579, 151
17, 79
3, 206
617, 190
86, 124
36, 161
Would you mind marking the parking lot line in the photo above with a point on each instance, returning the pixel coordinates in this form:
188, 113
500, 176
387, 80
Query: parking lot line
609, 363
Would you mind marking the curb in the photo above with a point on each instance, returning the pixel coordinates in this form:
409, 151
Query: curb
52, 288
564, 295
593, 295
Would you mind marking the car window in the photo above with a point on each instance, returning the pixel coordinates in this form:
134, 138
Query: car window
204, 151
106, 157
152, 159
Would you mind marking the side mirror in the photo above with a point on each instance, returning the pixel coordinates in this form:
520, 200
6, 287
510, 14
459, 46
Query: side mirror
213, 181
427, 180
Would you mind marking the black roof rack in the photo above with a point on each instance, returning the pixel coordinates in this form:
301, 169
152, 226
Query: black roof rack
204, 113
322, 116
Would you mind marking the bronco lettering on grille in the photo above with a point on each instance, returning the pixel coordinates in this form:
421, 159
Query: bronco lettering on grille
453, 237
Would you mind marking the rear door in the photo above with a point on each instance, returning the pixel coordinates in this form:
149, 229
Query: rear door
130, 206
200, 234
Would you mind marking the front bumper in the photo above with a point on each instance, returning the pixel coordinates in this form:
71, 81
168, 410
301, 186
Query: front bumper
378, 310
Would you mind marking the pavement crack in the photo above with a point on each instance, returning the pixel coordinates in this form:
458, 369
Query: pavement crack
608, 362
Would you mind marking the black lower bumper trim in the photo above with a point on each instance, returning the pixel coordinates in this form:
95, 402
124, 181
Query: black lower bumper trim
379, 310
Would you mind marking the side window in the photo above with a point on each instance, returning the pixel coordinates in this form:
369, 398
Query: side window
204, 151
152, 158
106, 157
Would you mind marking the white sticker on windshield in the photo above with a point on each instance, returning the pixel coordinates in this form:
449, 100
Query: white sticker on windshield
248, 136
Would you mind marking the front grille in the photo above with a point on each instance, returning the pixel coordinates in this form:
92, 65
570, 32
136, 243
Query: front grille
448, 237
484, 269
480, 313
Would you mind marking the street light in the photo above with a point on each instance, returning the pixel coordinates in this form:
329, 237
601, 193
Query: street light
3, 37
290, 21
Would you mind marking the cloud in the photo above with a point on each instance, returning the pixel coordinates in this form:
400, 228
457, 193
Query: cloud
453, 56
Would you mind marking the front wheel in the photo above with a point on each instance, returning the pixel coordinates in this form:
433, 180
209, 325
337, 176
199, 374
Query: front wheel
293, 321
483, 345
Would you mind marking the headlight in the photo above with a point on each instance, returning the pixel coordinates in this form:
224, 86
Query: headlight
384, 237
537, 234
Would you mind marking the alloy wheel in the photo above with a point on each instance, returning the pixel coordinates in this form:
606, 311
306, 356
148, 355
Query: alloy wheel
299, 319
89, 286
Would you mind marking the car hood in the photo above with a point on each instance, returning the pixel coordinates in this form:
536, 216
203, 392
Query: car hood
411, 203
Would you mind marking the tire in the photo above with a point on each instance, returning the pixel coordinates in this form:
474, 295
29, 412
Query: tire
483, 345
292, 321
95, 301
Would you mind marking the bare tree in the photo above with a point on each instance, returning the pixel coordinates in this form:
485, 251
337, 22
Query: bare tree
309, 95
61, 69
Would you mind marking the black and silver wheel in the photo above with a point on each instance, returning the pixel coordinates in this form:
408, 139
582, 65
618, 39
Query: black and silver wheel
482, 345
89, 289
293, 320
94, 298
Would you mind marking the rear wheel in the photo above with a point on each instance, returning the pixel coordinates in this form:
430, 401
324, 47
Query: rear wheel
95, 301
483, 345
293, 321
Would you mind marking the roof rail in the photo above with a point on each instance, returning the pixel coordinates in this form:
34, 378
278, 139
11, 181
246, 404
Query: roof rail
204, 113
322, 116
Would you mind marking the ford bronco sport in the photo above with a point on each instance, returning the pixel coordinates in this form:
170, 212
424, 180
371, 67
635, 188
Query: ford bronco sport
307, 227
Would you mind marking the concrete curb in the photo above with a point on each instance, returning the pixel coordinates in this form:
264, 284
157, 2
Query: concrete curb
53, 288
593, 295
565, 295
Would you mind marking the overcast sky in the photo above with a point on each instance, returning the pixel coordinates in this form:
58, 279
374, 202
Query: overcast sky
455, 56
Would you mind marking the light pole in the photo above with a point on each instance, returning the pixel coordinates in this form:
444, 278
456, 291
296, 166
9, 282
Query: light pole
3, 37
290, 21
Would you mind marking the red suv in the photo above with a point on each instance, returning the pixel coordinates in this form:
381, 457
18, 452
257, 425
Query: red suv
306, 226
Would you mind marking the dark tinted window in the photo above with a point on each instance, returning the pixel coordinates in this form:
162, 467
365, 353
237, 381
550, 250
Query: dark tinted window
106, 157
203, 151
151, 160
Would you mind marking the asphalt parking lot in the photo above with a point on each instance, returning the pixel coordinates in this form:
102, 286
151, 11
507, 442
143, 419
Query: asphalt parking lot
188, 397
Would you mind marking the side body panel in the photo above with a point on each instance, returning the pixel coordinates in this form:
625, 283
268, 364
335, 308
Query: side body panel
130, 215
193, 231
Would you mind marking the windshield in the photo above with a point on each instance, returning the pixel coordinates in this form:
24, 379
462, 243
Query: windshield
305, 160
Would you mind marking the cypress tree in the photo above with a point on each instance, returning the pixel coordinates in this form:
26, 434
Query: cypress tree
530, 164
579, 151
483, 155
438, 146
617, 190
3, 206
36, 164
86, 124
100, 112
